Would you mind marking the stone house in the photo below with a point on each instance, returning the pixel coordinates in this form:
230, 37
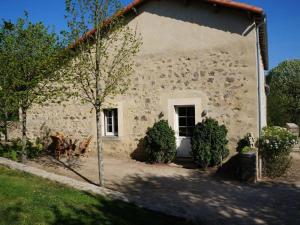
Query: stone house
198, 59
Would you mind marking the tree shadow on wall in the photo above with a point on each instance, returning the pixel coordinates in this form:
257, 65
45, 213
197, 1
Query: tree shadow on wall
201, 13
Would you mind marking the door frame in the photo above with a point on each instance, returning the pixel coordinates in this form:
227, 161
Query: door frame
172, 117
182, 140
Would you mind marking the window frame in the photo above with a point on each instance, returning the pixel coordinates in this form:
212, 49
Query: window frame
114, 122
186, 117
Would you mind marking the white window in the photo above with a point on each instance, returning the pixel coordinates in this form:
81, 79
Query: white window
110, 122
186, 120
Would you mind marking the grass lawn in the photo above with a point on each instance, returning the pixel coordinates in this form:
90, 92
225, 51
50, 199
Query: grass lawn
26, 199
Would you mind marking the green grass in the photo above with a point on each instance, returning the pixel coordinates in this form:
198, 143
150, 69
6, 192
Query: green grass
26, 199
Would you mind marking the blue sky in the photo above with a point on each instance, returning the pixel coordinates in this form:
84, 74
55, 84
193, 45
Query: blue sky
283, 21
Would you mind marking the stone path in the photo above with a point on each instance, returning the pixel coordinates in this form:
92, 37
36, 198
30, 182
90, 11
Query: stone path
181, 191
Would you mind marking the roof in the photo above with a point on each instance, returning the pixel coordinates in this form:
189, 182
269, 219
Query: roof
257, 12
226, 3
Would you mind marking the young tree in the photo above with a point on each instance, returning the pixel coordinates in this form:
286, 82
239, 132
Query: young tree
284, 99
8, 103
103, 56
34, 54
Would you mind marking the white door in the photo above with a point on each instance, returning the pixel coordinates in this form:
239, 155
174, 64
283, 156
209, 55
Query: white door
184, 125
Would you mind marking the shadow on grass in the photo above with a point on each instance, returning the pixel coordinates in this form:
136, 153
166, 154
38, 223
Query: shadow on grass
211, 200
102, 212
112, 212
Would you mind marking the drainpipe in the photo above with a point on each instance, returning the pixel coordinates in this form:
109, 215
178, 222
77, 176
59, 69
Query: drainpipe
259, 162
259, 76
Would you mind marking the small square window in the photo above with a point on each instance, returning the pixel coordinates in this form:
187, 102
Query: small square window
110, 122
190, 121
182, 111
182, 131
190, 111
182, 121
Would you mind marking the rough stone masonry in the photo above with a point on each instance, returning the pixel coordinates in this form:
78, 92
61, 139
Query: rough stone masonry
187, 55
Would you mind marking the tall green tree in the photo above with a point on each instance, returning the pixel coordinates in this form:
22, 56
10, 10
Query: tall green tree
8, 103
103, 57
284, 99
35, 55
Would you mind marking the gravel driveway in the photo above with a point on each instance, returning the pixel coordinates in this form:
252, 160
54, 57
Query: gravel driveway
191, 193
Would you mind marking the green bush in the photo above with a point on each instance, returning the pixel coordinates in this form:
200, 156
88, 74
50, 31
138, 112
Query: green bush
246, 149
160, 143
7, 151
13, 150
275, 146
244, 142
209, 143
2, 149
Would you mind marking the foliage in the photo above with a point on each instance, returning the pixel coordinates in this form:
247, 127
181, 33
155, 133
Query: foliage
8, 152
8, 103
13, 149
26, 199
33, 55
244, 142
284, 99
100, 64
160, 143
275, 146
209, 143
102, 56
246, 149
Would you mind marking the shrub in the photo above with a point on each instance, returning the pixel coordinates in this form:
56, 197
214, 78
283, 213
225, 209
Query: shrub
275, 146
244, 142
13, 150
246, 149
2, 149
209, 143
160, 143
7, 151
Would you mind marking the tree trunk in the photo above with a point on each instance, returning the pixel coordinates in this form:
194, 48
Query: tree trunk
99, 147
24, 134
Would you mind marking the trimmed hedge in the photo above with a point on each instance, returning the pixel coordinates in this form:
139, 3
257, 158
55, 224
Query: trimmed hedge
209, 142
160, 143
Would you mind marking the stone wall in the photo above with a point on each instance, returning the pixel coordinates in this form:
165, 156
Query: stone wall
14, 130
180, 58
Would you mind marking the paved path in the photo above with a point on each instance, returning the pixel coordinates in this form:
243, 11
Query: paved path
191, 193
